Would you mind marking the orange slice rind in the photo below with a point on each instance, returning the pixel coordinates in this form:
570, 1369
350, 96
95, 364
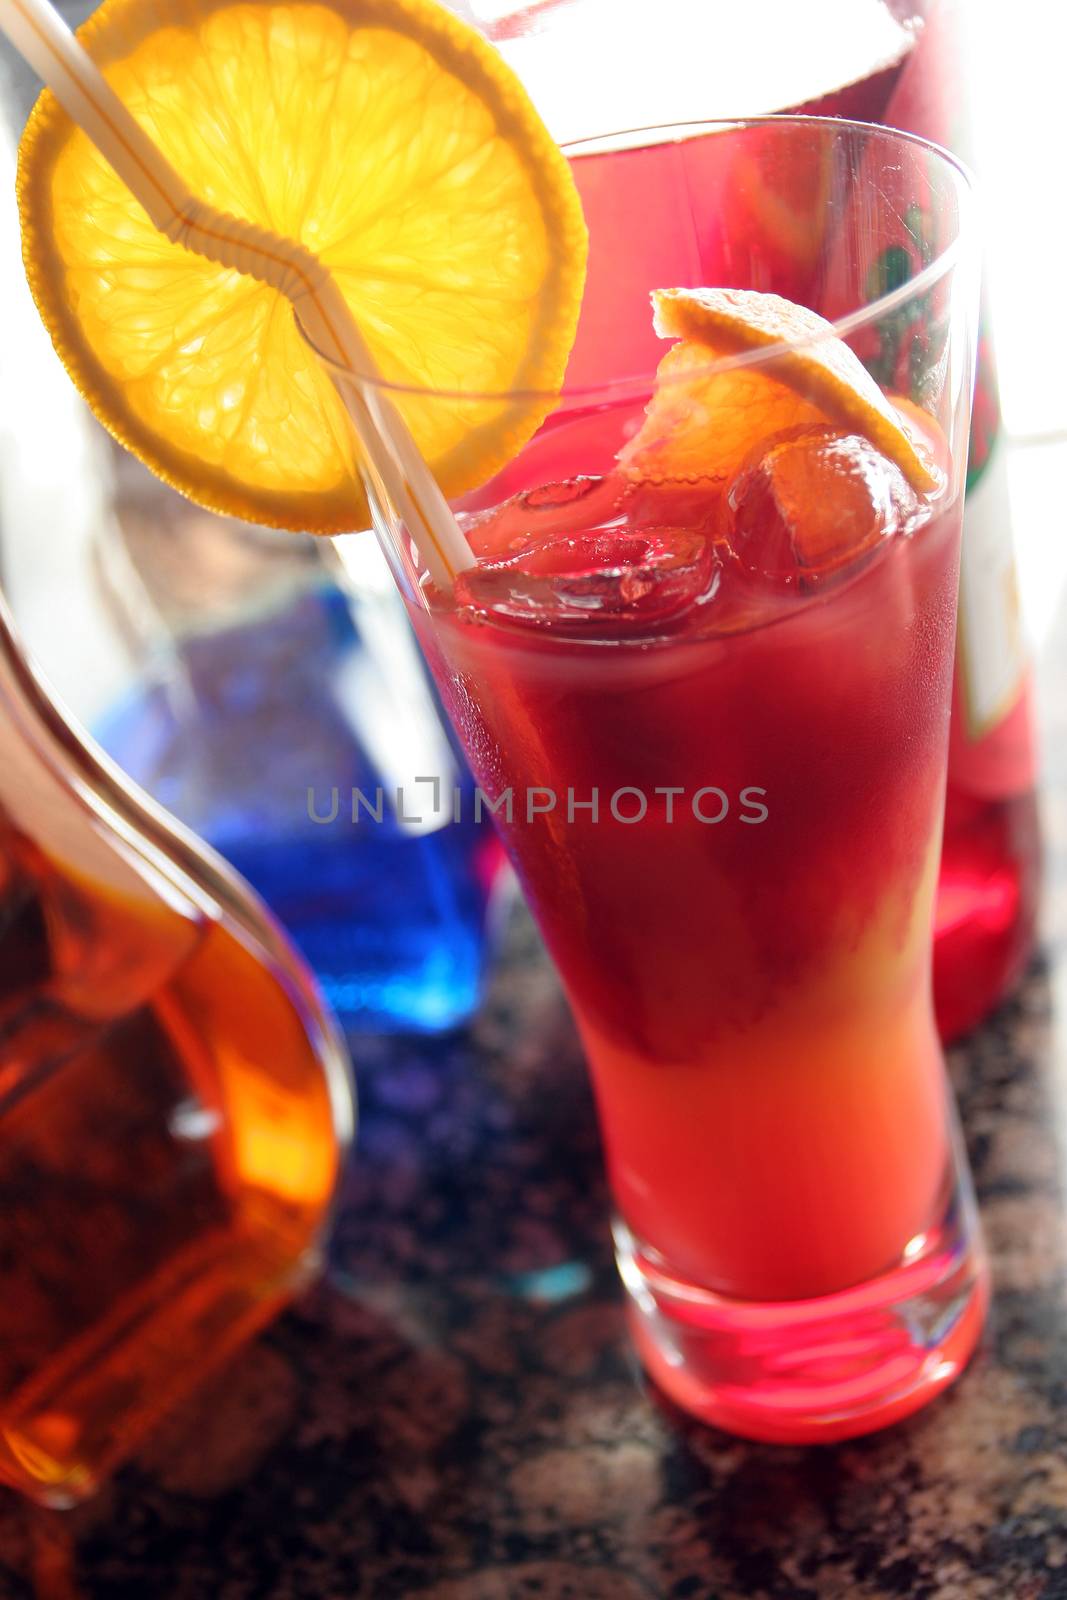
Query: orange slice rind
812, 377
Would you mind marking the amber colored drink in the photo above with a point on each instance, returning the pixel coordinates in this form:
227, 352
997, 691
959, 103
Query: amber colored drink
169, 1139
163, 1166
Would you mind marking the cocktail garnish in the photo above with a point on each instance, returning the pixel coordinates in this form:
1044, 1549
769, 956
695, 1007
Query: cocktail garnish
701, 423
384, 136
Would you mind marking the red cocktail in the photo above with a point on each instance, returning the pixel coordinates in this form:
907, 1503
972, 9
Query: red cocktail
725, 804
702, 670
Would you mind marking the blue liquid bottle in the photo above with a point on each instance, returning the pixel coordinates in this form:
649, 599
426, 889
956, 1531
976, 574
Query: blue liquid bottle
294, 738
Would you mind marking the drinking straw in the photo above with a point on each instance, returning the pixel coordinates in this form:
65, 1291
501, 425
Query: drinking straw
45, 42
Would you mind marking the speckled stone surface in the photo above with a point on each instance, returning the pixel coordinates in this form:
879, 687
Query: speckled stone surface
454, 1413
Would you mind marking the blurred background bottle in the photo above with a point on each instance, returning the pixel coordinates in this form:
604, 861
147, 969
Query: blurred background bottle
286, 718
991, 857
896, 62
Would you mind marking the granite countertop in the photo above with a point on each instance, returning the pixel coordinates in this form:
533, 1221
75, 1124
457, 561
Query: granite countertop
454, 1412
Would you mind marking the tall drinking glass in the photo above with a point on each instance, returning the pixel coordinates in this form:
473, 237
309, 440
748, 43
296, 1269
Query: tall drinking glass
709, 711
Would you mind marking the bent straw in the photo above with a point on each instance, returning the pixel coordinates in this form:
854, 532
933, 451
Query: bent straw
45, 42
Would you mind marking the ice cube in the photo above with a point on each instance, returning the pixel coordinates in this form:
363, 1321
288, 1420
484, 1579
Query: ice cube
553, 510
614, 581
812, 505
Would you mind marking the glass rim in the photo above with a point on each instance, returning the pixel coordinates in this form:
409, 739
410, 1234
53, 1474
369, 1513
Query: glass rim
629, 385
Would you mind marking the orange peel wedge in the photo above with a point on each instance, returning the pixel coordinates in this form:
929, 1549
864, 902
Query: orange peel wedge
812, 377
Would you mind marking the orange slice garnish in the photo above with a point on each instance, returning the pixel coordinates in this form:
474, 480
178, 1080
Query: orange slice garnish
701, 423
387, 137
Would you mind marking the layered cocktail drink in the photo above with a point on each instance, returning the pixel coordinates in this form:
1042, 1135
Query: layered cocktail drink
702, 669
722, 791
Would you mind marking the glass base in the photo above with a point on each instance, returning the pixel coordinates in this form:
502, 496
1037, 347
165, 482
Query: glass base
812, 1371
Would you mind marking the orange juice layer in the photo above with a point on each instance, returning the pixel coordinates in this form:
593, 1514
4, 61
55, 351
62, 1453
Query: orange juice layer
803, 1152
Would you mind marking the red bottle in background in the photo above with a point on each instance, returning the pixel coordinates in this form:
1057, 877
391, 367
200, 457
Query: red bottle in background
991, 856
896, 62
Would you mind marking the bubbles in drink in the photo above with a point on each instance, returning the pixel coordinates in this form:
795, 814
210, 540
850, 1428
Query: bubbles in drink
813, 505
